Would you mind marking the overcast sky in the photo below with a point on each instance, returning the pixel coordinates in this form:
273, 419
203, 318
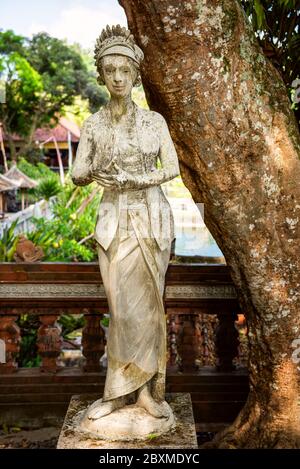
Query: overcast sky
76, 20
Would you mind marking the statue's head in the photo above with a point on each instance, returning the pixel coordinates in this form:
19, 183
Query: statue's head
118, 59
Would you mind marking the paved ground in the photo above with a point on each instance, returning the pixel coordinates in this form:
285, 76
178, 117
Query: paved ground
30, 439
47, 438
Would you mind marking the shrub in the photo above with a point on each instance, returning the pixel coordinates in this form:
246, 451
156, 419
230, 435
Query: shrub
35, 171
8, 243
48, 188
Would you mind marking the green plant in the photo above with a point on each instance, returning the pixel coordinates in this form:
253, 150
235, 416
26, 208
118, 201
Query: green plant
43, 76
29, 324
276, 25
8, 243
48, 188
71, 323
152, 436
105, 322
42, 237
35, 171
61, 236
28, 356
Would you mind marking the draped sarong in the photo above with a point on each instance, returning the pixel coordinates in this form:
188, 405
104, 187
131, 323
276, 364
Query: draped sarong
133, 271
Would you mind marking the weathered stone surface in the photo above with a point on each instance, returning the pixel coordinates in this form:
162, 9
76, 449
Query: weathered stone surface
121, 147
182, 433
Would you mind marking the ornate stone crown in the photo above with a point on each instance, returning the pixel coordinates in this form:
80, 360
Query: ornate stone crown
117, 40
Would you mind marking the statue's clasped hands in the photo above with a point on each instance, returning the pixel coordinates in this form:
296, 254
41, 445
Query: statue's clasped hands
119, 179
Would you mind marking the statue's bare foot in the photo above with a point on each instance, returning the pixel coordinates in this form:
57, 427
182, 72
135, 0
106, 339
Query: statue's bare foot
146, 401
99, 409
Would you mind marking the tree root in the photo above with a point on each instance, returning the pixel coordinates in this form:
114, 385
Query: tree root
254, 429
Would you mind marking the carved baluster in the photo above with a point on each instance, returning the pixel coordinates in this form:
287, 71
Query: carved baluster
49, 342
93, 342
207, 342
188, 341
171, 342
226, 342
10, 343
177, 325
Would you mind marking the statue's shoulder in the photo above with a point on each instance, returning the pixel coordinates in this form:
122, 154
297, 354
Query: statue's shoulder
152, 117
92, 122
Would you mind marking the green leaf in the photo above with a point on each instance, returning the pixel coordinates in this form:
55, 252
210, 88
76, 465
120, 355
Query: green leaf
260, 13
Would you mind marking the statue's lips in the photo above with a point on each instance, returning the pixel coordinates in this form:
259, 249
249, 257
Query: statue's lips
119, 88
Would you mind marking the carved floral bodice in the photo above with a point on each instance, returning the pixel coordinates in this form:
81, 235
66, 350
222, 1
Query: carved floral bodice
127, 150
136, 147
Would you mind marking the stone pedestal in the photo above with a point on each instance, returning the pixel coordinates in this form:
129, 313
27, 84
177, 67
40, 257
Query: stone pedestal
182, 433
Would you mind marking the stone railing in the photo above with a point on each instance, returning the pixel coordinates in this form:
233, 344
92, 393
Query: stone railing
51, 289
24, 224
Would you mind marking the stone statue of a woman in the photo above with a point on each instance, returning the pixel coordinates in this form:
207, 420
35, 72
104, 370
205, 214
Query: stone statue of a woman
119, 147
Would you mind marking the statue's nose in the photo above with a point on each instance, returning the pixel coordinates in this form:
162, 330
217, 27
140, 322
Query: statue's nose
117, 76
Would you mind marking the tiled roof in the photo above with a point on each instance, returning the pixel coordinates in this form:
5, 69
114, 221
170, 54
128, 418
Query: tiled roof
7, 184
15, 174
60, 132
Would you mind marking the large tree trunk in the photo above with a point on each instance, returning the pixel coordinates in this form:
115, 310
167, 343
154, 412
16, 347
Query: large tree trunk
238, 145
12, 146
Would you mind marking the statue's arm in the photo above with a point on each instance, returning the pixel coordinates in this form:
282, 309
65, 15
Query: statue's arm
81, 172
168, 158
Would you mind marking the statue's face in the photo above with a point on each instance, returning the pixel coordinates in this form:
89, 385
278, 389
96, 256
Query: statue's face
119, 75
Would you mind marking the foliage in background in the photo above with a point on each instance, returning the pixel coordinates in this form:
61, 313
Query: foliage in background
71, 323
105, 321
8, 242
49, 182
43, 75
95, 94
60, 236
78, 111
277, 26
35, 171
47, 188
29, 323
28, 356
138, 96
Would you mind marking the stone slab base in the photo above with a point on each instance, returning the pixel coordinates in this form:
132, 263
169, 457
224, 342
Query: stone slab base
128, 423
182, 434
